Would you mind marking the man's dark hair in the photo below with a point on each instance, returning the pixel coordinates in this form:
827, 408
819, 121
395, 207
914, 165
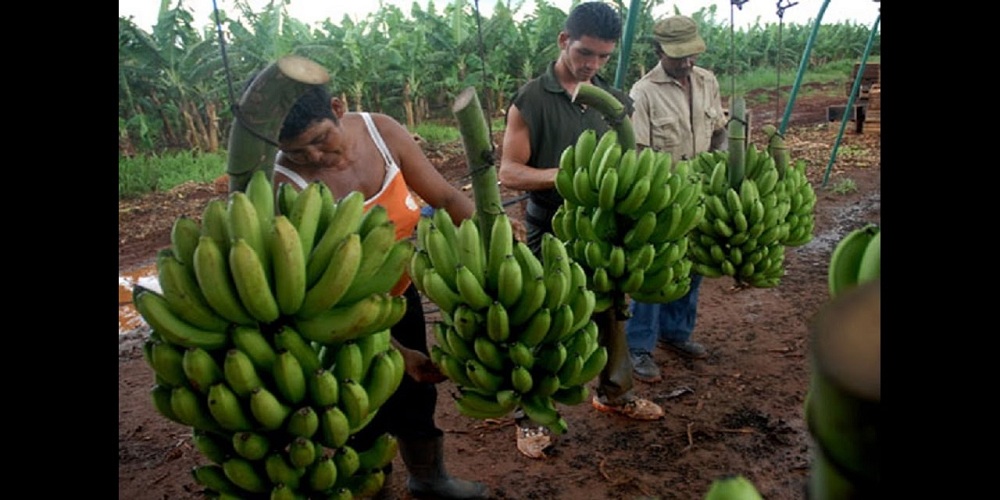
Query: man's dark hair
595, 19
312, 106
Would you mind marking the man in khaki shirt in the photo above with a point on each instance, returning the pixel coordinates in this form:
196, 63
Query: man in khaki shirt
678, 109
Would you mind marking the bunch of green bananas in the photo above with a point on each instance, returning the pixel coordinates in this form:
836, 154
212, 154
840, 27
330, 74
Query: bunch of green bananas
516, 330
801, 217
271, 339
625, 216
741, 233
856, 259
757, 206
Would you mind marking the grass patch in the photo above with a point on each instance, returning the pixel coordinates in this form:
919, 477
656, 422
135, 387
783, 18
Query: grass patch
142, 174
437, 135
845, 186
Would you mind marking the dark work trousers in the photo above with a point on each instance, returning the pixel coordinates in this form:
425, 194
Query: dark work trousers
615, 381
409, 412
537, 221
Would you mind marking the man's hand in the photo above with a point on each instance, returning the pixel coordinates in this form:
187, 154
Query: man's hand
520, 233
420, 367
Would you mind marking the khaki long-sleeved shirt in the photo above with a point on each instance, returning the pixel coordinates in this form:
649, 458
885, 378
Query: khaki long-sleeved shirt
664, 120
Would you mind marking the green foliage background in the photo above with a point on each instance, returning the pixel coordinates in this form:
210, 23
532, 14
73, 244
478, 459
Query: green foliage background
176, 82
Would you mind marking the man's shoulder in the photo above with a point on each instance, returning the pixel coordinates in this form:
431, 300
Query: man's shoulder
704, 73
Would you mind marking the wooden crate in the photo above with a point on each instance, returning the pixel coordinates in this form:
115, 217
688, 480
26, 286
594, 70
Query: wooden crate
875, 97
871, 76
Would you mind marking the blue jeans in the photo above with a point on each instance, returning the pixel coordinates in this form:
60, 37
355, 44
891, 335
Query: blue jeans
670, 322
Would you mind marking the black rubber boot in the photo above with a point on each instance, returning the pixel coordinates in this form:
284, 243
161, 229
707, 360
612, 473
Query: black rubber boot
424, 459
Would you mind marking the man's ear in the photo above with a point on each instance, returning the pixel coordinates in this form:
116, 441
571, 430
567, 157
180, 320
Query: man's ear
563, 40
338, 106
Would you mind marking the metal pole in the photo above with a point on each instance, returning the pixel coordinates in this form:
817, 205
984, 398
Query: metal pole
633, 16
850, 100
802, 68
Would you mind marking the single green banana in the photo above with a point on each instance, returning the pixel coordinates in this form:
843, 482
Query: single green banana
344, 322
161, 396
348, 363
333, 284
583, 151
244, 223
211, 268
289, 378
301, 453
303, 422
180, 287
254, 344
334, 429
322, 475
845, 262
226, 408
279, 470
288, 339
252, 283
471, 252
501, 244
288, 264
240, 373
167, 361
251, 445
382, 379
439, 292
323, 388
285, 198
155, 310
305, 214
386, 275
470, 289
497, 322
482, 377
345, 220
190, 408
211, 445
354, 402
268, 410
184, 235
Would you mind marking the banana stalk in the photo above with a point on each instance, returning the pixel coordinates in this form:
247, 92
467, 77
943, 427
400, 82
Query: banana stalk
737, 142
777, 149
479, 155
613, 111
611, 108
262, 109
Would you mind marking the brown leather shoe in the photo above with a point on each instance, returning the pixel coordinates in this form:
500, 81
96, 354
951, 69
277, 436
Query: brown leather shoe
636, 409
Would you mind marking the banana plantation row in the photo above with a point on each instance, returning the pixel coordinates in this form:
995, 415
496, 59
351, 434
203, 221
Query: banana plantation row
177, 82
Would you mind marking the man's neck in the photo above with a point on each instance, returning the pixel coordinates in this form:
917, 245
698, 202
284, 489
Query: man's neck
565, 76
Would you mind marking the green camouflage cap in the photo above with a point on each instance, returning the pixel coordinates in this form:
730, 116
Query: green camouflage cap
678, 36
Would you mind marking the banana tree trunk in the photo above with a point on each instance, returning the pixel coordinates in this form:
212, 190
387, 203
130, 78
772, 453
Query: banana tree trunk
408, 106
213, 126
262, 109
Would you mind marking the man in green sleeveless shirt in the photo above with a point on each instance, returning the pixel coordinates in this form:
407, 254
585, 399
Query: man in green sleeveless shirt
542, 121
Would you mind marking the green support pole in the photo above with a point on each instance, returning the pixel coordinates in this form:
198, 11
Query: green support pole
633, 16
850, 99
802, 68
